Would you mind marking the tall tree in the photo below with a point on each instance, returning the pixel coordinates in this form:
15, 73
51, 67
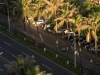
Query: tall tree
92, 26
24, 66
54, 6
39, 8
95, 21
67, 15
24, 9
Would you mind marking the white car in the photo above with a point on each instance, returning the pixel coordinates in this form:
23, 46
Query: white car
93, 49
40, 22
61, 30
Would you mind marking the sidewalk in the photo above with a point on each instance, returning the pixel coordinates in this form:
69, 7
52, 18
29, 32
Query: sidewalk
49, 41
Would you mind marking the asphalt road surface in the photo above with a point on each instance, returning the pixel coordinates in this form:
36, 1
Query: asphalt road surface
12, 48
2, 68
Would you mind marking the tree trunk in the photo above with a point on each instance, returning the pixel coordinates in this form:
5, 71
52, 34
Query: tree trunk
24, 28
56, 41
40, 36
96, 47
30, 28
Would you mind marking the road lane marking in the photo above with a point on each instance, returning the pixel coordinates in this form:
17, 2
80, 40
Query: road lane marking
14, 56
7, 43
46, 67
1, 69
25, 54
5, 59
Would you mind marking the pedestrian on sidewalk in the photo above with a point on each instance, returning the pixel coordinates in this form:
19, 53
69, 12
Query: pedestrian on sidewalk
36, 44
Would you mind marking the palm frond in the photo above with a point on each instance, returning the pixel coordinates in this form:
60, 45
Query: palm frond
48, 2
83, 27
71, 20
29, 1
59, 18
58, 26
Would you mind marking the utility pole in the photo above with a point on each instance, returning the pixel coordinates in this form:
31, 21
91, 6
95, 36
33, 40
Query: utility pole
74, 50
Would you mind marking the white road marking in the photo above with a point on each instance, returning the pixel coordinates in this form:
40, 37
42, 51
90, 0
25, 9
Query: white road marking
1, 69
7, 43
14, 56
1, 53
5, 59
46, 67
25, 54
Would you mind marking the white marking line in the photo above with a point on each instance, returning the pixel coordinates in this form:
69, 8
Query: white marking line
7, 43
46, 67
25, 54
1, 69
14, 56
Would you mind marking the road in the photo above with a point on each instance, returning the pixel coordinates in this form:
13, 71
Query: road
12, 48
2, 68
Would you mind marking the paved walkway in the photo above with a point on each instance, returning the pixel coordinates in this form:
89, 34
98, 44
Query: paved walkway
49, 41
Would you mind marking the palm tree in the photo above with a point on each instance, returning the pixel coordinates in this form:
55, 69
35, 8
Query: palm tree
92, 30
95, 25
54, 6
78, 24
92, 26
67, 16
39, 8
23, 66
24, 9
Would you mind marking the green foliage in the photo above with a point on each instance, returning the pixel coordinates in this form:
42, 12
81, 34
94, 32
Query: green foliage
24, 66
89, 7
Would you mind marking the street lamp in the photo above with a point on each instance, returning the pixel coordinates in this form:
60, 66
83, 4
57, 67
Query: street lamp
8, 17
74, 47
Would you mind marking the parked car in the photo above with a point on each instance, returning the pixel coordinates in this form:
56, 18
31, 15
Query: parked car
88, 45
63, 49
66, 31
49, 30
93, 49
40, 22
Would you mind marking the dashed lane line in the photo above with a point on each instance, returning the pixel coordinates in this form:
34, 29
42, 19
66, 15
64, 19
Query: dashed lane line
14, 56
7, 43
46, 67
1, 69
24, 53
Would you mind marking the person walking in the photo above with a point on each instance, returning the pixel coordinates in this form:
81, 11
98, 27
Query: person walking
36, 44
